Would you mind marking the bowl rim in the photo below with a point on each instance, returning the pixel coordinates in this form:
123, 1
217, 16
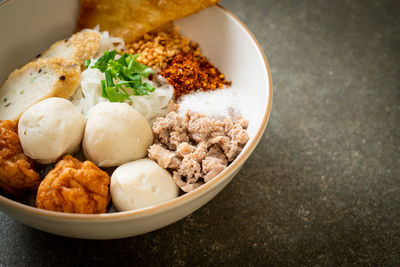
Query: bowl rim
176, 202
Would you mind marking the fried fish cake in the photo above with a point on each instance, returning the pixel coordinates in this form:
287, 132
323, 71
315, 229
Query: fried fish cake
38, 80
74, 186
131, 19
17, 175
80, 46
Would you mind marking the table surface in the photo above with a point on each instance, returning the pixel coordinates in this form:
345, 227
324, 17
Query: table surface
323, 185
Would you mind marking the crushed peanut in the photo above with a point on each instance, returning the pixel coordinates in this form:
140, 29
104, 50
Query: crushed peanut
157, 49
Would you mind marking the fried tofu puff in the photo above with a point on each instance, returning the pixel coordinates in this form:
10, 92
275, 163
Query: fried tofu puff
74, 186
16, 169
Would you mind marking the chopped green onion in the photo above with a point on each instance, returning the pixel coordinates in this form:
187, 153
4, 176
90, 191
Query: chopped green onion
122, 76
87, 63
103, 88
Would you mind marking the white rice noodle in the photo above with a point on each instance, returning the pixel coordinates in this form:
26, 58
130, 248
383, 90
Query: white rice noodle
155, 104
150, 106
107, 42
88, 94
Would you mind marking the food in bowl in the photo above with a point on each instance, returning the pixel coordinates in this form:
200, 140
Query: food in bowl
115, 134
141, 183
131, 19
37, 80
17, 174
123, 99
55, 124
74, 186
196, 148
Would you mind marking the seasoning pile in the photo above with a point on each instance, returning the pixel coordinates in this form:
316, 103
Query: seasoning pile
180, 60
188, 74
217, 104
157, 49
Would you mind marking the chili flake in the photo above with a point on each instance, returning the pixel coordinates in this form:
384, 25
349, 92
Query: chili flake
188, 73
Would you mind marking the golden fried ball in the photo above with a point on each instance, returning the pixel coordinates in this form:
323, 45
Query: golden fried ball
16, 169
74, 186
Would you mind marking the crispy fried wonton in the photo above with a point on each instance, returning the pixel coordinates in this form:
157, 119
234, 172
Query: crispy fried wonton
131, 19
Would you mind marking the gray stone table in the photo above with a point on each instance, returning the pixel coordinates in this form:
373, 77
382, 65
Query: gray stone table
323, 185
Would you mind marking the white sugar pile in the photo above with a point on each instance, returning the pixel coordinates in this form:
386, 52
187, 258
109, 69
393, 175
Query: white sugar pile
216, 104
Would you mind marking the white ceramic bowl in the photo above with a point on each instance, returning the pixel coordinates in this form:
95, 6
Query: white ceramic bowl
224, 39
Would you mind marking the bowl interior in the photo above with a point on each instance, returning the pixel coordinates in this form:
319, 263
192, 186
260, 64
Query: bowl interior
30, 27
224, 40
